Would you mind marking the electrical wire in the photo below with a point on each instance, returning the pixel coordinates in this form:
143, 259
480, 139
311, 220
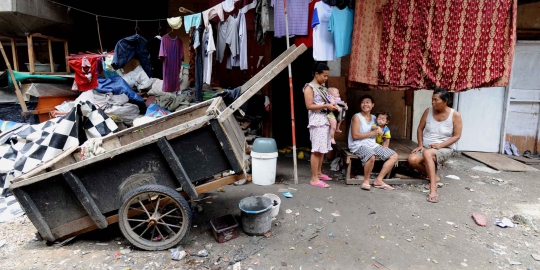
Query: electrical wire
103, 16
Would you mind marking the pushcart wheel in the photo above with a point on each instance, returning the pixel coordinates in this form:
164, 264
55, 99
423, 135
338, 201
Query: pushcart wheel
154, 217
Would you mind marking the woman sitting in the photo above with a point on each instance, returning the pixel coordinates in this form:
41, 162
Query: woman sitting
438, 131
362, 143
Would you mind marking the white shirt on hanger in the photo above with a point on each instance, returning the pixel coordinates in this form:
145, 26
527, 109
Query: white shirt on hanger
209, 47
323, 41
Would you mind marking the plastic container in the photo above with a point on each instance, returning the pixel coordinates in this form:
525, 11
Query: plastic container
264, 161
225, 228
256, 214
276, 202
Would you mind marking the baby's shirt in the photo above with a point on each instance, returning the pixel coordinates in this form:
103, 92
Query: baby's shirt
380, 139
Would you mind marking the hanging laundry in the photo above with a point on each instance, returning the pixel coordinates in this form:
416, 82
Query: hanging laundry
341, 26
307, 40
191, 21
108, 71
209, 47
241, 59
212, 12
171, 53
192, 57
262, 21
85, 73
297, 15
323, 41
175, 22
228, 5
132, 47
153, 46
246, 5
227, 34
197, 44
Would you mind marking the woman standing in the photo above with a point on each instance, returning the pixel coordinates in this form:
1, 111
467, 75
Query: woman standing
319, 126
438, 131
362, 143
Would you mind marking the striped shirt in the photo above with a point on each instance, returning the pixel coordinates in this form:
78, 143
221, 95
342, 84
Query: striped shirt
171, 52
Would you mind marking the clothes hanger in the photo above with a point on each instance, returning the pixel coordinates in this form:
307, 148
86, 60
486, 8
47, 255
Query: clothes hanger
137, 27
159, 31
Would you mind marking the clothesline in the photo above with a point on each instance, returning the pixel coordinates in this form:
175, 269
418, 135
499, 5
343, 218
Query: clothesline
243, 10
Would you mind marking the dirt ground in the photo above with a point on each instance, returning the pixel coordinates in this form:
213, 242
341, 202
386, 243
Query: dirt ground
375, 229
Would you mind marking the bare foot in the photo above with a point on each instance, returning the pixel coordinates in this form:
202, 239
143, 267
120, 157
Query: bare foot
333, 141
338, 130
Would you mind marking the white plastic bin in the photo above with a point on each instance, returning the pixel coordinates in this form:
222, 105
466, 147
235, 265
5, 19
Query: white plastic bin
264, 168
275, 208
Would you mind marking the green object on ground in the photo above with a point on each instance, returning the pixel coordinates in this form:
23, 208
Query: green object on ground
21, 76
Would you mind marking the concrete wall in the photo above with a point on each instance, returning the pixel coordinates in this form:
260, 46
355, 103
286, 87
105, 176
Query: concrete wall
528, 16
42, 9
422, 101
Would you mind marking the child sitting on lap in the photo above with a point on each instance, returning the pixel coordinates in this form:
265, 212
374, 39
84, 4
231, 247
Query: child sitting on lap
383, 118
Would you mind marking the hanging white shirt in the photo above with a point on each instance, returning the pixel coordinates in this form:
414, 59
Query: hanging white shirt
228, 5
209, 47
323, 41
241, 59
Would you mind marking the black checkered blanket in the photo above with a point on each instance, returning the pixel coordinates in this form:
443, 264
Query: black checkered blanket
27, 146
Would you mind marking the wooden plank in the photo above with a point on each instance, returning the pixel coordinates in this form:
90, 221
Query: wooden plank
17, 89
215, 104
525, 160
226, 145
47, 164
146, 141
66, 52
392, 181
237, 148
402, 151
14, 55
85, 224
177, 168
31, 57
85, 199
499, 162
266, 69
33, 214
51, 61
48, 37
277, 67
406, 142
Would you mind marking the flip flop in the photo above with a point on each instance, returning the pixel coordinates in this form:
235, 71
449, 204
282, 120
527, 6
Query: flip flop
366, 187
433, 199
325, 177
320, 184
385, 187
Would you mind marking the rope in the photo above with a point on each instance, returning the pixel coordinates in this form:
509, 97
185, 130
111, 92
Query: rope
103, 16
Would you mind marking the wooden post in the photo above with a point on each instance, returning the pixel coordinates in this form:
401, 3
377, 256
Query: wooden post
51, 56
66, 51
14, 54
17, 89
30, 53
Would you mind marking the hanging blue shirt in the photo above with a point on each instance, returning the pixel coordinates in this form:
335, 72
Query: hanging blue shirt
341, 25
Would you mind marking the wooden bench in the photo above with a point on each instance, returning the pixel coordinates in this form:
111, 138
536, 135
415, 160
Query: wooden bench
402, 147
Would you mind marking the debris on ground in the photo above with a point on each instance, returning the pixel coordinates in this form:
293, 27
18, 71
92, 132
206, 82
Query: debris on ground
536, 257
479, 219
288, 211
336, 214
505, 223
372, 213
2, 243
125, 251
237, 266
330, 199
451, 176
520, 219
267, 234
177, 255
318, 209
287, 195
514, 262
469, 189
200, 253
220, 189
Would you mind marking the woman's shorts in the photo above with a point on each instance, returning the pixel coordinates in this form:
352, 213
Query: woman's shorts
442, 154
320, 139
365, 153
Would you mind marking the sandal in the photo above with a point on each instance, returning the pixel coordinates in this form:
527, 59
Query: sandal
320, 184
433, 199
366, 187
385, 187
325, 177
439, 185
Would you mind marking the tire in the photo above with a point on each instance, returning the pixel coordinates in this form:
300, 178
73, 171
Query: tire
149, 229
